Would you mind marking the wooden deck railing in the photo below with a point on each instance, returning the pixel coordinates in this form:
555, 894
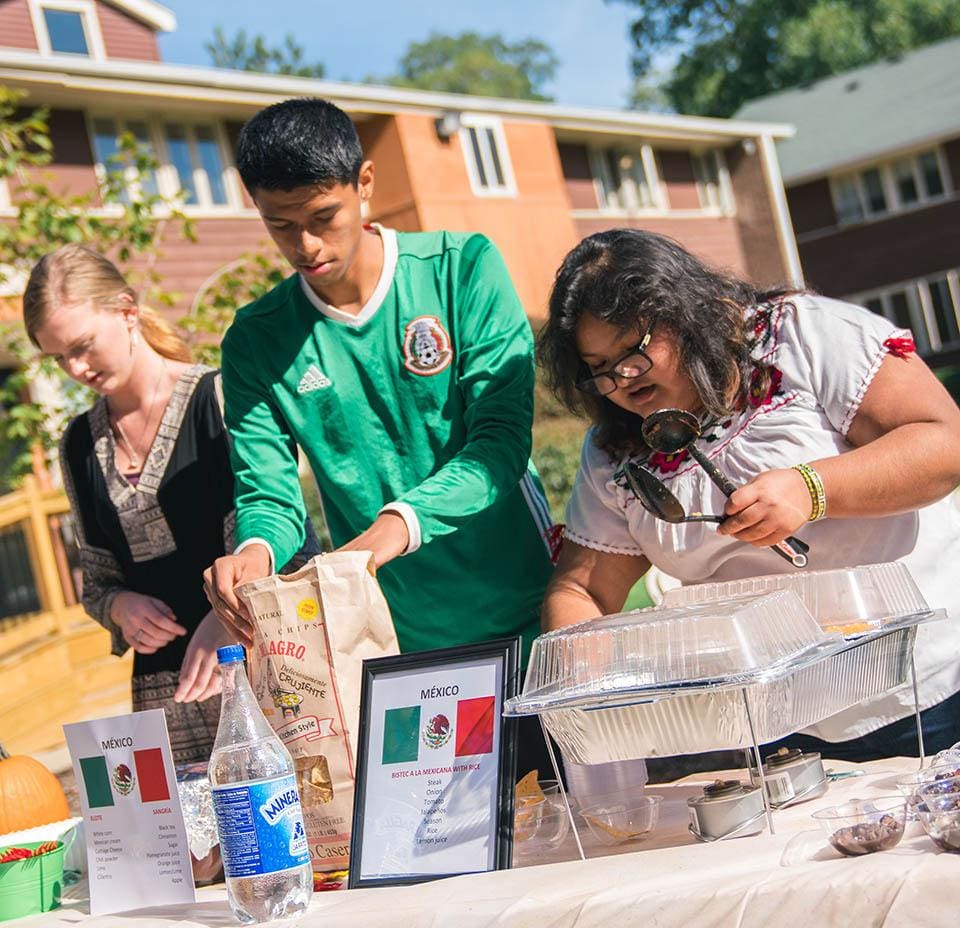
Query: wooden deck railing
55, 662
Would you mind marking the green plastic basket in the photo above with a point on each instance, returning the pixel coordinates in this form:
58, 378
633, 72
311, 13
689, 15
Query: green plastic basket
33, 885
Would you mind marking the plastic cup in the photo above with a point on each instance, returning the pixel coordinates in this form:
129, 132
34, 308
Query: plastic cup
864, 826
616, 822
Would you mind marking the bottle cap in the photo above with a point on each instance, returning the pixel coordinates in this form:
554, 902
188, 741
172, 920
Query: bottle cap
231, 653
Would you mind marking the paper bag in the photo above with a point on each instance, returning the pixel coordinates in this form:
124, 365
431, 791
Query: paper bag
312, 631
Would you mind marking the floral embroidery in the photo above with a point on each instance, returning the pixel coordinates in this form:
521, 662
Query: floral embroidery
758, 396
667, 463
900, 347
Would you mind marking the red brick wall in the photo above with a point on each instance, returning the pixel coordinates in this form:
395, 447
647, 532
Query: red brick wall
714, 239
876, 254
16, 26
755, 221
577, 176
676, 171
125, 37
811, 206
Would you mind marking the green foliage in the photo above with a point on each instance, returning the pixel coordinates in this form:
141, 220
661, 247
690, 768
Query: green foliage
251, 53
238, 283
732, 51
486, 66
124, 219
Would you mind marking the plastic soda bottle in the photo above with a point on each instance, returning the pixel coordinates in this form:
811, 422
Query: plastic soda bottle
263, 843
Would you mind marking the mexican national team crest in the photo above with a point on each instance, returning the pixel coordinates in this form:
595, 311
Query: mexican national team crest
426, 346
436, 733
123, 779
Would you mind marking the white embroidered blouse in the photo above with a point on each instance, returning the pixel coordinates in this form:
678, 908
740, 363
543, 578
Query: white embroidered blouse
821, 356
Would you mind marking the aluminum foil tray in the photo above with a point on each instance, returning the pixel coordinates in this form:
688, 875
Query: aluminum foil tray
709, 718
849, 601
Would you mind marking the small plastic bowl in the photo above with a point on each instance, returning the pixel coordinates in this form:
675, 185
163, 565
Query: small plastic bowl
552, 827
939, 813
616, 822
527, 816
863, 826
911, 783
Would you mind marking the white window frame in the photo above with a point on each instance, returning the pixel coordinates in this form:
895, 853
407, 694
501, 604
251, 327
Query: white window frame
891, 191
724, 186
121, 121
169, 179
168, 183
626, 190
920, 306
481, 123
88, 15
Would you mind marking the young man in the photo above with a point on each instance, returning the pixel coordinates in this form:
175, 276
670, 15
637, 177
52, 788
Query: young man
401, 363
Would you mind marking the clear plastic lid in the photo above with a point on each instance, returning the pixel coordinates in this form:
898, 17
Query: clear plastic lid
668, 647
849, 601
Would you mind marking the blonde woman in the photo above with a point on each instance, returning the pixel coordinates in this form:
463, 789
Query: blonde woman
148, 475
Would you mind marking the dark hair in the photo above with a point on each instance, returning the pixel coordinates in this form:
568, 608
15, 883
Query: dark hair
632, 279
298, 143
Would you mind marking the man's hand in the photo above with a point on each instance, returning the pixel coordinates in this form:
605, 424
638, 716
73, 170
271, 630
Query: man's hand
387, 538
147, 623
221, 580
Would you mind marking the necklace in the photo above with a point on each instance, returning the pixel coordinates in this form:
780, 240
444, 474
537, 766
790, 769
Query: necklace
132, 455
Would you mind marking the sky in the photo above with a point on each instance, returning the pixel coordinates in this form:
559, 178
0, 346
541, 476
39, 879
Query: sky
590, 37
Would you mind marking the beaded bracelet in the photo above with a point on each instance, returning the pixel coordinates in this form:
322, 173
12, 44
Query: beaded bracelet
818, 495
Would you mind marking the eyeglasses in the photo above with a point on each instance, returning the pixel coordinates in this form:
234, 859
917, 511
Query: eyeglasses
635, 363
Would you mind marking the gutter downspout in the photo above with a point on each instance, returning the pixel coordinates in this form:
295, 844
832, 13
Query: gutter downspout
786, 238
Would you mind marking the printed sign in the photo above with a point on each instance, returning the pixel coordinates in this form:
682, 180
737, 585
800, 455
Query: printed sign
435, 765
137, 848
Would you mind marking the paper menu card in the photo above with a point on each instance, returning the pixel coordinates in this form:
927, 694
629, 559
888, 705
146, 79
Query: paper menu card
137, 848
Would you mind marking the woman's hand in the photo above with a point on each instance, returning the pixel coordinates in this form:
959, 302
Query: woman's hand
147, 623
767, 509
199, 676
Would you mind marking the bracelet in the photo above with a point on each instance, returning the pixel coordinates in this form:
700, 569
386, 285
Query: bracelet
818, 495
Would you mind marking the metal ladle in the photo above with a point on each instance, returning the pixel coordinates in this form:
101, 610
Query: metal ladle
657, 499
671, 430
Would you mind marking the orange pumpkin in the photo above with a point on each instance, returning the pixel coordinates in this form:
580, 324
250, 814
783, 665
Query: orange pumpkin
29, 794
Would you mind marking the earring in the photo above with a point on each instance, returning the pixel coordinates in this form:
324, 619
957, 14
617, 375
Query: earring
134, 338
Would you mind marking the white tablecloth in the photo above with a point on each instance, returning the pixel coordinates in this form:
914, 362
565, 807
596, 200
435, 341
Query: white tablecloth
791, 878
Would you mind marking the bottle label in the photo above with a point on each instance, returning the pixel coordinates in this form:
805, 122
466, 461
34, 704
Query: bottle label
260, 827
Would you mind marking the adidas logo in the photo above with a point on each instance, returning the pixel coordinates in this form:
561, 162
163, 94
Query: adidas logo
313, 379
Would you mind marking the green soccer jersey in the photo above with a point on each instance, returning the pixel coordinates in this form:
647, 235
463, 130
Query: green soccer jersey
422, 403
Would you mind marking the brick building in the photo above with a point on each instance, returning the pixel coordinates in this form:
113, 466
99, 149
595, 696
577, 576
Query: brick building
534, 177
873, 184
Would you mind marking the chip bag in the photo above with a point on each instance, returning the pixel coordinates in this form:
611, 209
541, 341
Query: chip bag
312, 631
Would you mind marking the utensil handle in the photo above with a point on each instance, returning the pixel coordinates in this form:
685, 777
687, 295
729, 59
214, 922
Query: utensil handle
793, 550
790, 549
713, 472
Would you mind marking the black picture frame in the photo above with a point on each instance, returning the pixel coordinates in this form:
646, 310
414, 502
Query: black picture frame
503, 650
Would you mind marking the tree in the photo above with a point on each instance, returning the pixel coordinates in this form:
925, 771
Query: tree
486, 66
130, 232
251, 53
732, 51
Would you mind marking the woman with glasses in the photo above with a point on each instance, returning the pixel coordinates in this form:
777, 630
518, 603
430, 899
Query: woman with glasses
819, 412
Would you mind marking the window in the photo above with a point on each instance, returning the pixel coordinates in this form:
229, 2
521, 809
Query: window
625, 179
889, 187
929, 307
198, 165
67, 27
710, 173
488, 161
106, 145
191, 160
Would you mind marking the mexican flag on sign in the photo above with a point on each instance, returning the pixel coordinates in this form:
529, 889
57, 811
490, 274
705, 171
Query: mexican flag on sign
101, 784
473, 734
